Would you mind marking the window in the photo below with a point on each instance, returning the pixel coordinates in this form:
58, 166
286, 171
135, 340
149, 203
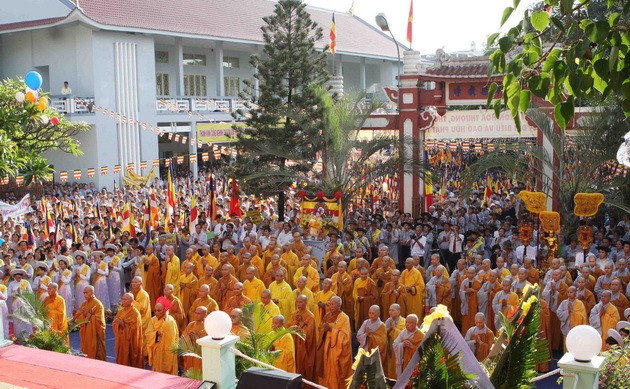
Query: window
161, 57
195, 85
194, 59
232, 85
162, 84
231, 62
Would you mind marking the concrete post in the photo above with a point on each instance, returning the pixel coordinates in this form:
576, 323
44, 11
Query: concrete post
336, 85
586, 373
218, 363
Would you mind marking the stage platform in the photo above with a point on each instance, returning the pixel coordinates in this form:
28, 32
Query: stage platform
32, 368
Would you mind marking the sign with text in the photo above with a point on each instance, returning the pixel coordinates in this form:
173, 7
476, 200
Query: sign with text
478, 124
216, 132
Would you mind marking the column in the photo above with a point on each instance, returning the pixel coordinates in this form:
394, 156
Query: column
582, 375
179, 65
218, 363
218, 57
338, 65
362, 78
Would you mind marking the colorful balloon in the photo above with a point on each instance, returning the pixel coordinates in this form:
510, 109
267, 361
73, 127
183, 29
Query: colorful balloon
54, 121
42, 103
33, 80
20, 96
45, 119
31, 96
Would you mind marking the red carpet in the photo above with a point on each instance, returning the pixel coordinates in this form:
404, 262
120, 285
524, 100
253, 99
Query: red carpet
33, 368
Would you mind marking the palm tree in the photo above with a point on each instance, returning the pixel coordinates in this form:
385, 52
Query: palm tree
584, 161
351, 164
255, 345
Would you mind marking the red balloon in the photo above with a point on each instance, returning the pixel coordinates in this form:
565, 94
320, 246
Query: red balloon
54, 121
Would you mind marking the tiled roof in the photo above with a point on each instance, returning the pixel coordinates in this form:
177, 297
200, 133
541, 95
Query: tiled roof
30, 23
231, 19
461, 68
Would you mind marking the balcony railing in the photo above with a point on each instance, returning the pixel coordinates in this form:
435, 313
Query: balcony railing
72, 104
199, 104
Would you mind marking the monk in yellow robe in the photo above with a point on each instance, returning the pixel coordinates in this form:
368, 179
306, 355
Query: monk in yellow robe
309, 272
394, 292
286, 359
238, 328
188, 286
252, 286
162, 335
300, 288
604, 316
372, 333
394, 324
273, 268
412, 280
56, 311
271, 309
334, 352
291, 259
571, 312
92, 331
305, 346
504, 302
203, 300
172, 270
195, 330
365, 294
479, 337
189, 259
239, 300
206, 259
282, 294
544, 331
177, 309
468, 297
342, 285
321, 303
127, 326
407, 343
142, 302
152, 275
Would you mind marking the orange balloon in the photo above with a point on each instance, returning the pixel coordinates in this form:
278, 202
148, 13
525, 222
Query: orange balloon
30, 96
42, 103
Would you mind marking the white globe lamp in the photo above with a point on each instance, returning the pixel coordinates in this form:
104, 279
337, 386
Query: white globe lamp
584, 343
217, 325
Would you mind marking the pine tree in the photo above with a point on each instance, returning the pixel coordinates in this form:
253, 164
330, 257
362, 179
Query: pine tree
284, 118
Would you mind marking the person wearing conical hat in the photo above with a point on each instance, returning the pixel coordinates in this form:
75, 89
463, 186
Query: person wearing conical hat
16, 287
63, 278
40, 283
81, 277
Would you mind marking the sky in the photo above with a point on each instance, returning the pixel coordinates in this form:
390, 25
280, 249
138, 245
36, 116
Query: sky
448, 24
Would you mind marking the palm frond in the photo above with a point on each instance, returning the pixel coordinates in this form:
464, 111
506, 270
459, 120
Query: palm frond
186, 347
32, 310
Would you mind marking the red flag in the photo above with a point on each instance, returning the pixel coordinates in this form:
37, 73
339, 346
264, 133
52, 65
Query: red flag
332, 36
235, 208
410, 23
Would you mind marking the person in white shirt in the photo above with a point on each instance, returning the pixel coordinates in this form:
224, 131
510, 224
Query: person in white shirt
66, 90
285, 236
199, 236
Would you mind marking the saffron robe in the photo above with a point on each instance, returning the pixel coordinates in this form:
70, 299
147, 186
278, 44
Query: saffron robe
480, 341
342, 286
404, 354
373, 335
207, 302
194, 330
57, 314
92, 332
129, 337
253, 288
304, 348
177, 313
603, 318
188, 292
334, 353
468, 302
414, 298
286, 359
393, 327
368, 290
161, 337
283, 293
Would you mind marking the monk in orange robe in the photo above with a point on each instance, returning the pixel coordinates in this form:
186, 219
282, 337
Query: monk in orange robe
393, 293
585, 295
195, 330
239, 300
162, 335
394, 324
92, 331
407, 343
438, 288
56, 311
203, 300
152, 275
617, 298
372, 333
127, 326
365, 294
238, 328
544, 331
284, 344
604, 316
554, 293
468, 289
142, 302
334, 353
479, 337
207, 278
533, 277
225, 285
342, 284
414, 298
485, 296
177, 309
306, 345
188, 285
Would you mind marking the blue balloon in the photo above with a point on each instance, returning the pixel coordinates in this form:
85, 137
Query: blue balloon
33, 80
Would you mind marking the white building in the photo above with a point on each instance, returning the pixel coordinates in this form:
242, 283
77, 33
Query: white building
141, 58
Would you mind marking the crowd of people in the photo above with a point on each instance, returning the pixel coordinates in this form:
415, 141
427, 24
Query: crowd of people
378, 278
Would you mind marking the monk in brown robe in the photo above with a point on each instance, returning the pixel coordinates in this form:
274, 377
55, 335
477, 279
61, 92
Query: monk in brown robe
177, 310
152, 275
195, 330
468, 289
372, 333
92, 331
238, 328
342, 284
225, 286
188, 285
127, 326
239, 300
555, 292
407, 343
485, 296
334, 353
479, 337
584, 294
365, 294
393, 293
533, 277
394, 324
306, 345
207, 278
203, 299
544, 332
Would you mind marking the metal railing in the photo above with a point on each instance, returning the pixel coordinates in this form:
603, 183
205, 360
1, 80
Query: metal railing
71, 104
184, 104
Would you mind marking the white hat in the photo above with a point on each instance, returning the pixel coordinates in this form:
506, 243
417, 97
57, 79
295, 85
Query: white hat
21, 272
621, 325
110, 247
616, 336
626, 313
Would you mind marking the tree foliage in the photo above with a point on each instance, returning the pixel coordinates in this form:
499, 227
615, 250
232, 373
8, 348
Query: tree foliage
561, 53
284, 117
25, 134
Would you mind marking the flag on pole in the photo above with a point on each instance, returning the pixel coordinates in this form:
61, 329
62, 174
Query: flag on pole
332, 37
212, 201
193, 214
235, 208
410, 23
153, 209
170, 200
126, 218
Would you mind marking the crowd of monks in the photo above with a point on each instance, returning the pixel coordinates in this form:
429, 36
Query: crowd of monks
343, 299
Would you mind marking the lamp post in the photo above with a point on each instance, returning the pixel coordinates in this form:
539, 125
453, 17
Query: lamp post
581, 361
381, 22
217, 361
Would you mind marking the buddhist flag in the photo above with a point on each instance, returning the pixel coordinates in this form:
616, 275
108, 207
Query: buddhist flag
332, 37
428, 191
193, 214
154, 209
170, 199
410, 23
212, 201
126, 218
